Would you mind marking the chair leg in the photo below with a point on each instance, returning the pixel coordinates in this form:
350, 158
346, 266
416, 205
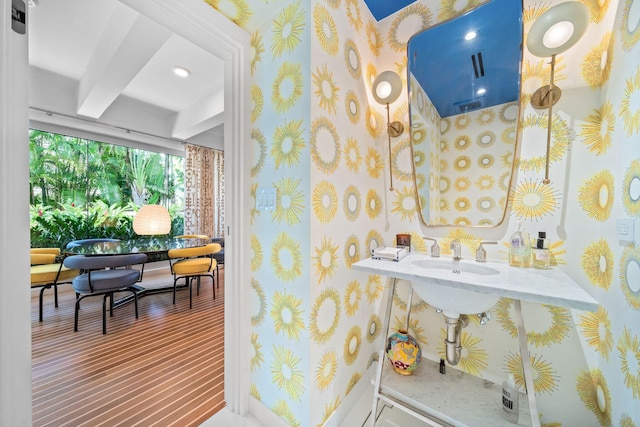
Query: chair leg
104, 315
55, 294
75, 320
190, 281
135, 300
41, 298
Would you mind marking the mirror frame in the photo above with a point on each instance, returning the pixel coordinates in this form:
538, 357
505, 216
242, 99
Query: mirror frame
517, 142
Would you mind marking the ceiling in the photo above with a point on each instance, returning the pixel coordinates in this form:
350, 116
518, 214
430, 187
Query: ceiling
100, 62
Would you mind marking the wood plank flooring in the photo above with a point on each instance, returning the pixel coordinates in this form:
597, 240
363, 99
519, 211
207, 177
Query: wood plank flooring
163, 369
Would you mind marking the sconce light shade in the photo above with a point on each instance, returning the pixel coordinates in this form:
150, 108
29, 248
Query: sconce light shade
558, 29
152, 220
387, 87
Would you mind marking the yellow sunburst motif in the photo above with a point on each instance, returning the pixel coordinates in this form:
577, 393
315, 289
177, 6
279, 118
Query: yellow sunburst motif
352, 382
629, 289
334, 3
352, 59
560, 141
370, 74
594, 393
417, 305
287, 315
374, 239
598, 129
373, 38
374, 328
598, 265
352, 203
462, 204
257, 49
326, 30
416, 11
462, 183
473, 359
462, 121
254, 212
325, 145
630, 31
282, 410
596, 329
629, 348
598, 62
326, 89
236, 10
534, 75
258, 139
352, 157
285, 373
286, 258
352, 106
630, 118
373, 204
325, 201
596, 196
485, 182
597, 9
354, 14
374, 288
329, 409
287, 87
326, 370
352, 345
287, 29
258, 102
533, 12
373, 121
289, 201
533, 200
351, 250
253, 391
325, 316
288, 142
486, 117
326, 259
374, 162
545, 378
401, 158
626, 421
415, 330
404, 204
352, 297
631, 178
261, 300
256, 251
452, 8
257, 359
560, 324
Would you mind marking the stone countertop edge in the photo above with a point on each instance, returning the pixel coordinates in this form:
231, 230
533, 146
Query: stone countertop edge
552, 286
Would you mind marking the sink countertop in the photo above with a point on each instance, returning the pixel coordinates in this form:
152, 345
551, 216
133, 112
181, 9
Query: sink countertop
553, 286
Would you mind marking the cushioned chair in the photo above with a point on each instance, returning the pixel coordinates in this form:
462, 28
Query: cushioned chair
193, 263
102, 277
48, 272
219, 256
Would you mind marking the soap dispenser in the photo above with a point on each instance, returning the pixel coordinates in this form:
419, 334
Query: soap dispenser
510, 400
520, 248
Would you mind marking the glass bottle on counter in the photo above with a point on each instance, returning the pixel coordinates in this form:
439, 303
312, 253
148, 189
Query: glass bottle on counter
541, 257
520, 248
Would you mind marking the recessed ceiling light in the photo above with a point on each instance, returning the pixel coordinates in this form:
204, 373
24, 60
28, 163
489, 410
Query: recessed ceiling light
481, 91
181, 71
470, 35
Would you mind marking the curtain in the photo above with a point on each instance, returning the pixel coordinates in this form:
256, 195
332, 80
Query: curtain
204, 191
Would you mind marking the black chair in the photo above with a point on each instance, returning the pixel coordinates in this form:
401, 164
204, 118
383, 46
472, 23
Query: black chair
219, 257
100, 276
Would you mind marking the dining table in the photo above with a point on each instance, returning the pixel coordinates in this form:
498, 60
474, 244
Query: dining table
156, 249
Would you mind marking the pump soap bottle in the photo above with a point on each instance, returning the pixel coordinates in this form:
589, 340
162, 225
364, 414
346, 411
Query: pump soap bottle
520, 248
510, 400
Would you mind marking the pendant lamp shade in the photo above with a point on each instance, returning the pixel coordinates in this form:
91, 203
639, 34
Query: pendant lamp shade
152, 220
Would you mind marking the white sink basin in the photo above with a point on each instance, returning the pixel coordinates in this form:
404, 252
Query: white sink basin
454, 301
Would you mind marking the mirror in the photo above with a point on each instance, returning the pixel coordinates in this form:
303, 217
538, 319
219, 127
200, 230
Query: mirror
464, 107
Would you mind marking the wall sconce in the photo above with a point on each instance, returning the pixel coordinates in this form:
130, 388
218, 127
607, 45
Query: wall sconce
152, 220
555, 31
386, 89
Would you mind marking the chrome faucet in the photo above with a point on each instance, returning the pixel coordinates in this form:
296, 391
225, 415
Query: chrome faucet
456, 247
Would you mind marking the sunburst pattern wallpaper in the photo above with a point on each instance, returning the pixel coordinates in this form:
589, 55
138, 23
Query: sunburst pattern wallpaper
319, 139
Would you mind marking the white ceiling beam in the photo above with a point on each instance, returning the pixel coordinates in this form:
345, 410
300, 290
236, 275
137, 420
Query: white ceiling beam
128, 43
199, 117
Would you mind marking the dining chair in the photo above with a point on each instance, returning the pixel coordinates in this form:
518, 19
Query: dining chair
193, 263
47, 272
219, 256
101, 276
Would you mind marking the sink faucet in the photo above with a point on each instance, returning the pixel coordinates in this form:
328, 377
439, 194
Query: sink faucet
456, 247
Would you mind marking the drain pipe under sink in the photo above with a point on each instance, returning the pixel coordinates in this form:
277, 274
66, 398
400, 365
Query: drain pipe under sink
452, 341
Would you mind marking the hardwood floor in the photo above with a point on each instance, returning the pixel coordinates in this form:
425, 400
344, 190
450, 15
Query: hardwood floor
163, 369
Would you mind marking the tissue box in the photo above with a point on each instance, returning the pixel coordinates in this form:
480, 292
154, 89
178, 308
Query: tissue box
386, 252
